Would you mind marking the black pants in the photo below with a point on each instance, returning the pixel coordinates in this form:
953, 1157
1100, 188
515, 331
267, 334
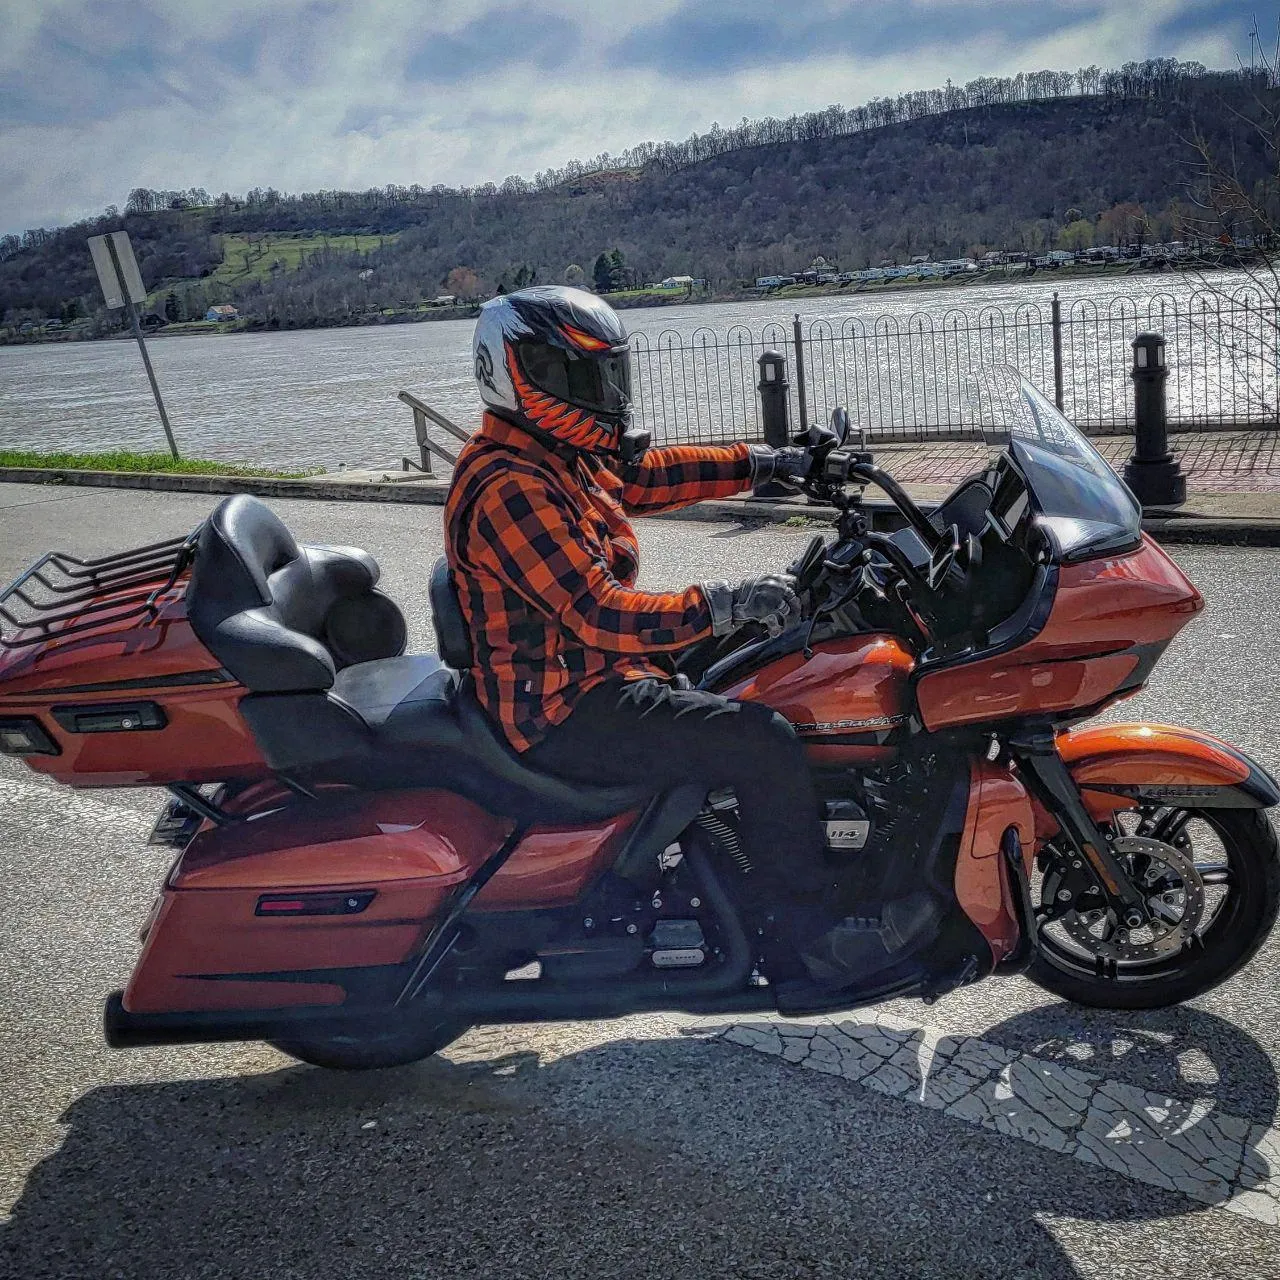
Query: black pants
648, 730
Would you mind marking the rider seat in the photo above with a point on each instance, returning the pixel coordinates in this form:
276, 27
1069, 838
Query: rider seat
261, 603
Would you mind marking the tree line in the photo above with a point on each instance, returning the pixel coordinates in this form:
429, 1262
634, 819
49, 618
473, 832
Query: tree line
996, 163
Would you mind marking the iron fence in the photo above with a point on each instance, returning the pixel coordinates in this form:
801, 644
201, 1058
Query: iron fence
909, 377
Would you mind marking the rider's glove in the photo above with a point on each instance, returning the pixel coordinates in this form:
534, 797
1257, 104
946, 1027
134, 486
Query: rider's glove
787, 466
769, 600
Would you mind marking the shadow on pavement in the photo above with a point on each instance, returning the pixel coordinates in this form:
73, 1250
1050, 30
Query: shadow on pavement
637, 1158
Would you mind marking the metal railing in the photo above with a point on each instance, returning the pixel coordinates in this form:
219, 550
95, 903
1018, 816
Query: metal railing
907, 377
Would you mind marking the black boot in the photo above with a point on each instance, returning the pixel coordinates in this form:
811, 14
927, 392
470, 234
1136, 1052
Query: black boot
856, 948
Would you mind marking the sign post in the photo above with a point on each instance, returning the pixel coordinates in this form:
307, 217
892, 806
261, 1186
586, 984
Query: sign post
122, 286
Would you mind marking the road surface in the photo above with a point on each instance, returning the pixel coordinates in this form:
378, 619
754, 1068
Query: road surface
998, 1133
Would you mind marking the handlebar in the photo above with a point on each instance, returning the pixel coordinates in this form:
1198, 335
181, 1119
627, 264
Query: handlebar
840, 466
923, 526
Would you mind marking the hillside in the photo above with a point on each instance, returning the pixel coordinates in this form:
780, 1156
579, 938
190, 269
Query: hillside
1006, 174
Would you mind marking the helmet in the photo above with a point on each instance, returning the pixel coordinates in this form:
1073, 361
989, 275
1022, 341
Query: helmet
555, 361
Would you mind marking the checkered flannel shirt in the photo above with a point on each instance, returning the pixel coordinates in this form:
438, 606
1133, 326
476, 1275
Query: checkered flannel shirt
544, 561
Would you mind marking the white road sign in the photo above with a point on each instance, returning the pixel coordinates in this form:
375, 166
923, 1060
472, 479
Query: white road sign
116, 284
106, 269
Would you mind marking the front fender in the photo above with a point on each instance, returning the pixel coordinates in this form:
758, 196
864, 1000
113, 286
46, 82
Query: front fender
1164, 764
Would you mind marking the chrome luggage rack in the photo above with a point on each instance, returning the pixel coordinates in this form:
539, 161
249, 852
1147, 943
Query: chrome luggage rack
61, 595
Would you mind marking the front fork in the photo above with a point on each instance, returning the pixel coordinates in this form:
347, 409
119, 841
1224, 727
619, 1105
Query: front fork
1050, 781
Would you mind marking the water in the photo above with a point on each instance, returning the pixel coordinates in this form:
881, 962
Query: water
328, 397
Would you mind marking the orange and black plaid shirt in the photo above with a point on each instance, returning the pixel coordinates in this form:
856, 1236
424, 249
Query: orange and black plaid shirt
544, 562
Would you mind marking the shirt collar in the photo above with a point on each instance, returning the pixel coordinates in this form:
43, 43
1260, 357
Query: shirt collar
501, 432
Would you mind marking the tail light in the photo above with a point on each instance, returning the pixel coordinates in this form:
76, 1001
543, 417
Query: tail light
26, 736
314, 904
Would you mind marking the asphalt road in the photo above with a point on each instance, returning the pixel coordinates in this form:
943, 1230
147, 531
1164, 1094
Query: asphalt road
638, 1148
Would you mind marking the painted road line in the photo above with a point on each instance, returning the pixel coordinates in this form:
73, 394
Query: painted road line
1178, 1144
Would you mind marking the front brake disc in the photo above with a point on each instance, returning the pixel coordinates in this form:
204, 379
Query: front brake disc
1174, 893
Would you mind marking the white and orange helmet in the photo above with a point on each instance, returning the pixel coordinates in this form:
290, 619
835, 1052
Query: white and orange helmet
556, 361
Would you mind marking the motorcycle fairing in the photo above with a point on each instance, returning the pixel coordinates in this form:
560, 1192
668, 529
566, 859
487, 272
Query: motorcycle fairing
998, 804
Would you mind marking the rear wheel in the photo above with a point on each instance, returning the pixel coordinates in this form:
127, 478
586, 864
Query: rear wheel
369, 1046
1211, 878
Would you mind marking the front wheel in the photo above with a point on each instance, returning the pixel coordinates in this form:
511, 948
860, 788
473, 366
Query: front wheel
1211, 878
369, 1046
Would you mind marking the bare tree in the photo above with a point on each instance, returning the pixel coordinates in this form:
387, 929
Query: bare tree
1233, 219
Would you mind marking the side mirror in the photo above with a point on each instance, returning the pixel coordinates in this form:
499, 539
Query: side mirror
840, 424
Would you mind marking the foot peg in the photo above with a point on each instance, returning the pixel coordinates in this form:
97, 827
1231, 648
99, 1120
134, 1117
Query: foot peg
859, 946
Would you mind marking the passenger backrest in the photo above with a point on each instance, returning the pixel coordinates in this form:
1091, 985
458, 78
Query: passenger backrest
262, 604
453, 637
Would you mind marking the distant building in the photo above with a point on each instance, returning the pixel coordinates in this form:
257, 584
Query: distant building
676, 282
773, 282
444, 300
224, 311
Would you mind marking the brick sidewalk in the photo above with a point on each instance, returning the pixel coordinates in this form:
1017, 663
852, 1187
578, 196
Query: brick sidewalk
1214, 462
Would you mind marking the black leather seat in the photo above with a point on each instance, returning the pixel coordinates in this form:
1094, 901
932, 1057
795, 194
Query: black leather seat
259, 602
282, 617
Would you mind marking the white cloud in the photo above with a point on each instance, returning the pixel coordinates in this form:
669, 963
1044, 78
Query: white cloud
98, 98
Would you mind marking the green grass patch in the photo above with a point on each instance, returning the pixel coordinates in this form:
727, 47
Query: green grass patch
259, 257
123, 460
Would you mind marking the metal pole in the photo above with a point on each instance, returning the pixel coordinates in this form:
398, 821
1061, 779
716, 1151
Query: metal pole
1152, 472
800, 394
131, 309
1057, 351
773, 387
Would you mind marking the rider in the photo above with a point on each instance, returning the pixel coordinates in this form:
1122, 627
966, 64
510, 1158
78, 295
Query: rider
570, 659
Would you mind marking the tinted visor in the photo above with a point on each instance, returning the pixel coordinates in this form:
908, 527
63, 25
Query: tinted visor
599, 384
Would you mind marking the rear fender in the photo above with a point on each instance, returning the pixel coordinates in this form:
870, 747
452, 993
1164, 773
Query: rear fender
1122, 765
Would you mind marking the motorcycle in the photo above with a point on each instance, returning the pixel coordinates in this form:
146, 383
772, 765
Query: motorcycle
364, 870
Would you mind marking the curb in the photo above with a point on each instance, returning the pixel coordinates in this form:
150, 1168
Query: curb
259, 486
1235, 531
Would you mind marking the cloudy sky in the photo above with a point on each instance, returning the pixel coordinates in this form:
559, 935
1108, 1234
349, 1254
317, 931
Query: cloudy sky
99, 96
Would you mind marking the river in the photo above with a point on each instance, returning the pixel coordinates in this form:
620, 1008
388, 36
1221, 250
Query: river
327, 397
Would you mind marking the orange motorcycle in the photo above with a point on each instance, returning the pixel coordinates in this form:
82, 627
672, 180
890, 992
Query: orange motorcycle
364, 869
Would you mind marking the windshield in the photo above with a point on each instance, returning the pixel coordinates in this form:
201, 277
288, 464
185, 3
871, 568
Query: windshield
1082, 502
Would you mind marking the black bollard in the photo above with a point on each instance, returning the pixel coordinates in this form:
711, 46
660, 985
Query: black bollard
1152, 472
775, 412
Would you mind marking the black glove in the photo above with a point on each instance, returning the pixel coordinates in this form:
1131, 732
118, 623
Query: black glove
787, 466
769, 600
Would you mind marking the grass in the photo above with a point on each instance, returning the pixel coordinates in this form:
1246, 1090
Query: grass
123, 460
244, 259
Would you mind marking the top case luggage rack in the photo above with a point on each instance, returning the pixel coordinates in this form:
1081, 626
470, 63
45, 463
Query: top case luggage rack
61, 595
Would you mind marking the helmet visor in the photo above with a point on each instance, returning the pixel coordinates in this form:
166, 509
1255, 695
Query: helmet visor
597, 383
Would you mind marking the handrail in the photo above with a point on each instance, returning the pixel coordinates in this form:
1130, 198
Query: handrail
435, 415
422, 413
